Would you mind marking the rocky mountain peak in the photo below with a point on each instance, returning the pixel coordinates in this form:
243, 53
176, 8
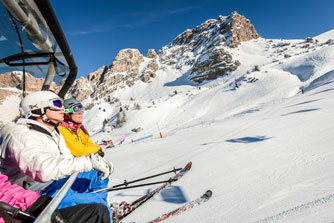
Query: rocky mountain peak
201, 50
84, 87
14, 80
151, 54
239, 28
11, 87
206, 47
231, 30
127, 68
126, 60
11, 84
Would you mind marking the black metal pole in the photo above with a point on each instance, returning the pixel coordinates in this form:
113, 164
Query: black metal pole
139, 185
16, 212
22, 51
145, 178
126, 183
50, 17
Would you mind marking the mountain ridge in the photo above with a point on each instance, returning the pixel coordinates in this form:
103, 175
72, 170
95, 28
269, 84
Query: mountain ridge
203, 44
203, 56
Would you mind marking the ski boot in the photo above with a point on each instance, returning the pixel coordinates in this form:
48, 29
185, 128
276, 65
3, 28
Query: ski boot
119, 210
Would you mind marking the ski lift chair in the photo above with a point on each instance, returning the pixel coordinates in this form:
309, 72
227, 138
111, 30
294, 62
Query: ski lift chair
31, 38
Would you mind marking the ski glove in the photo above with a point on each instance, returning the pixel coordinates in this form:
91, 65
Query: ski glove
101, 152
102, 165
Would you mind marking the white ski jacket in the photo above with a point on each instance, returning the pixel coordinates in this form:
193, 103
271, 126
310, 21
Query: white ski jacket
31, 153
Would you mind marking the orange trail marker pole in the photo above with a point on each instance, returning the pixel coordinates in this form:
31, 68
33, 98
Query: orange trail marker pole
159, 131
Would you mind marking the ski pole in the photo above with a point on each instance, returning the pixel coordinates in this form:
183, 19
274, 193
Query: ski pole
15, 212
126, 183
146, 178
126, 187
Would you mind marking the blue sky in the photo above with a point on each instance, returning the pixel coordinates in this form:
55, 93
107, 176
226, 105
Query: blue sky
97, 30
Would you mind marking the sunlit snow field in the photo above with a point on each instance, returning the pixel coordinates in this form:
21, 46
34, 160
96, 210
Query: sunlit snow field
265, 149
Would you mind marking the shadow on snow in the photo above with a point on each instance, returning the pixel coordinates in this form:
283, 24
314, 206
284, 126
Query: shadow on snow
183, 80
247, 112
248, 139
172, 194
302, 103
301, 111
331, 89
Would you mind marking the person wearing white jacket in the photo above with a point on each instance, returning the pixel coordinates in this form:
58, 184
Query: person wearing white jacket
32, 152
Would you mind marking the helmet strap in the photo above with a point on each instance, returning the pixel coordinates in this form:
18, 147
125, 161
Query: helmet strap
71, 120
47, 120
37, 113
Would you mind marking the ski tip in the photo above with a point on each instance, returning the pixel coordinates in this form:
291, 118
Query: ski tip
189, 165
208, 194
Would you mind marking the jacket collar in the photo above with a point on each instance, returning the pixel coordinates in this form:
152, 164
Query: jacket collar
74, 127
36, 126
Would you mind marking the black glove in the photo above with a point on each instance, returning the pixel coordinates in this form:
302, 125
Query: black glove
101, 152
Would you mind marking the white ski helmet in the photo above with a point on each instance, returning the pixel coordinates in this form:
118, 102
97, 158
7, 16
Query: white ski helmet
34, 104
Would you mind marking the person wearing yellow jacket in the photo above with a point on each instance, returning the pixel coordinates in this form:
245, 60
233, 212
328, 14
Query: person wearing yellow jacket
76, 136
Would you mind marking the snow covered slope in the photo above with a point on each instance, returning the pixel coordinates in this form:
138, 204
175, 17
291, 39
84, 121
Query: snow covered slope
269, 70
269, 163
260, 136
262, 146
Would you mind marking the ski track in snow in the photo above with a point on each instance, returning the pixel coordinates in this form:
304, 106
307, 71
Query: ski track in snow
297, 209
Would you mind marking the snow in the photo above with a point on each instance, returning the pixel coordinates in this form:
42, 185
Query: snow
271, 163
315, 63
265, 149
11, 103
325, 36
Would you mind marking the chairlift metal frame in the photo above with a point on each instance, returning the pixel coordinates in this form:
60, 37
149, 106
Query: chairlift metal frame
50, 18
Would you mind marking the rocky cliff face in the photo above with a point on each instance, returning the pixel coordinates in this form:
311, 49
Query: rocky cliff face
204, 50
229, 31
201, 52
11, 84
238, 28
84, 87
11, 89
128, 67
218, 64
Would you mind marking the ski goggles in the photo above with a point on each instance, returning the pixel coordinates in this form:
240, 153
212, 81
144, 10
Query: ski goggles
56, 104
77, 109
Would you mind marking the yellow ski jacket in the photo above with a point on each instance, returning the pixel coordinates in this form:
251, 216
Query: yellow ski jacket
79, 142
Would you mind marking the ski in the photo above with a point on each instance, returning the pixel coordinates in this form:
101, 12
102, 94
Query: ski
140, 201
191, 204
